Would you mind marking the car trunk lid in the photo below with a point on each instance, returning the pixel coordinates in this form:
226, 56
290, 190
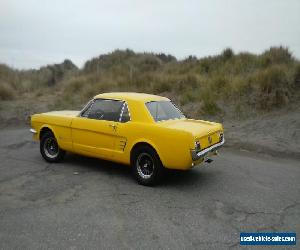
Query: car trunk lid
207, 133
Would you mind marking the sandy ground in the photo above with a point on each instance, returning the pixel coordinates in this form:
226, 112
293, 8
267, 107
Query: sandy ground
277, 133
88, 203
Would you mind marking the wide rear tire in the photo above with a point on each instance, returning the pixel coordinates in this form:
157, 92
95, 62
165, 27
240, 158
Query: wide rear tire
147, 167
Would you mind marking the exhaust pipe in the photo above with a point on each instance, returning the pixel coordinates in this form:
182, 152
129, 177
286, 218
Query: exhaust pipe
208, 160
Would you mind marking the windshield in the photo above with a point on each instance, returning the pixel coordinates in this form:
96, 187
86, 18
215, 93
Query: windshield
164, 110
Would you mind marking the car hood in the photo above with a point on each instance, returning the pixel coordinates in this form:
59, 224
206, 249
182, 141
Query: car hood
198, 128
68, 113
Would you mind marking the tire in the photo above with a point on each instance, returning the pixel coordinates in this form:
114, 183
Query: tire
49, 148
147, 167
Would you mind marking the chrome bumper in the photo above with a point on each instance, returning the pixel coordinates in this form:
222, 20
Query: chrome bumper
33, 131
196, 155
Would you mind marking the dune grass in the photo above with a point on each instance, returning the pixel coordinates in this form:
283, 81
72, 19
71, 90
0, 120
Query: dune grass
241, 81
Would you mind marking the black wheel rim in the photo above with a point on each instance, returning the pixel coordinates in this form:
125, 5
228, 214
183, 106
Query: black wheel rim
145, 165
51, 148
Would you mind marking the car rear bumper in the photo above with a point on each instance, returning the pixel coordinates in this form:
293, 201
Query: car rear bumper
196, 155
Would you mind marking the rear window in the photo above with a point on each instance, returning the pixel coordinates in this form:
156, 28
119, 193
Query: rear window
164, 110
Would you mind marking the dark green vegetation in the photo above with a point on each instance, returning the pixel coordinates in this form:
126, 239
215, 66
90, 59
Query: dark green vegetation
228, 83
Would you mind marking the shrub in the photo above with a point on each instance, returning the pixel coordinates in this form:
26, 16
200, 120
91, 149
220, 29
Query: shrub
166, 58
161, 87
188, 97
191, 81
209, 105
241, 64
297, 76
104, 62
148, 63
218, 84
6, 91
273, 87
276, 55
227, 54
240, 88
75, 85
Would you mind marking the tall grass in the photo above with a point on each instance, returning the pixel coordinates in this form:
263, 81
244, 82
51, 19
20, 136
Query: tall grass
242, 81
6, 92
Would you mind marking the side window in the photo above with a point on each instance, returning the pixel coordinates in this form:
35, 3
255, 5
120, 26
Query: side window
125, 114
86, 108
104, 109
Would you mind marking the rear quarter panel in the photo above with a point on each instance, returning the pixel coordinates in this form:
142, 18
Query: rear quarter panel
172, 146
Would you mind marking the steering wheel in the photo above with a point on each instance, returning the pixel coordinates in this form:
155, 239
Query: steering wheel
98, 114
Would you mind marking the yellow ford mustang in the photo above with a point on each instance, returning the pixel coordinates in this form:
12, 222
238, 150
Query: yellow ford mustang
145, 131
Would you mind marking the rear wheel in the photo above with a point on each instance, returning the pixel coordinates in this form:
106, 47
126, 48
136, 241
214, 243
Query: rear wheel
49, 148
147, 166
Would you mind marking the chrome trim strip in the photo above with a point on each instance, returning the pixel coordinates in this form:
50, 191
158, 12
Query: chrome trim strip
122, 110
128, 111
33, 131
87, 106
197, 155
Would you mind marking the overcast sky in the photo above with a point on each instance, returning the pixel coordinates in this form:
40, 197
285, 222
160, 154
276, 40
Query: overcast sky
38, 32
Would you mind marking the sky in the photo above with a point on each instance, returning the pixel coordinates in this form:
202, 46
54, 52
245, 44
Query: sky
34, 33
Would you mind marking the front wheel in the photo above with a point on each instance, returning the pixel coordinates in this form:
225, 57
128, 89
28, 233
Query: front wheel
147, 166
49, 148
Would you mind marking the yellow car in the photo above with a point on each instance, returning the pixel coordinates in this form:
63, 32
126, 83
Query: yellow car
145, 131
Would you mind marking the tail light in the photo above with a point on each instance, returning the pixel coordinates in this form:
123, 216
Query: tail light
221, 136
197, 145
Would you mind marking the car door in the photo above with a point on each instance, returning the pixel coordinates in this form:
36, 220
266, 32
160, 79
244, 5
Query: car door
123, 132
94, 131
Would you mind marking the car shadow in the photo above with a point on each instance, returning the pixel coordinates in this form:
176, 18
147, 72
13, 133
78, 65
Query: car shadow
171, 178
89, 164
192, 177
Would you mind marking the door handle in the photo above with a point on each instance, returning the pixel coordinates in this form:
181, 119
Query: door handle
113, 126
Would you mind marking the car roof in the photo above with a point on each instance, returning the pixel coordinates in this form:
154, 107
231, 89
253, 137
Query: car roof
126, 96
